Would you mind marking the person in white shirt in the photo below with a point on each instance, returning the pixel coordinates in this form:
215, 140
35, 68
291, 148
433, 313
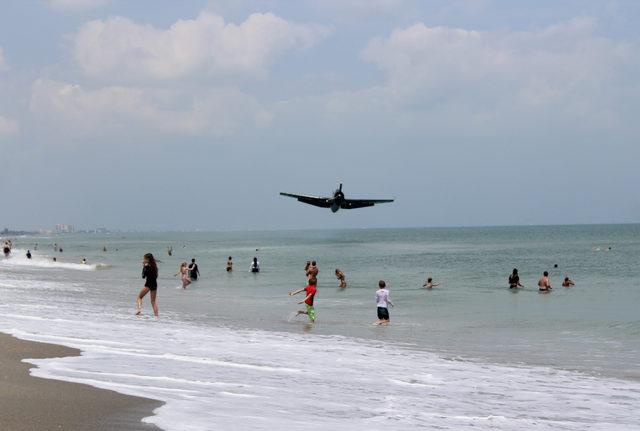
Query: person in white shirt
383, 301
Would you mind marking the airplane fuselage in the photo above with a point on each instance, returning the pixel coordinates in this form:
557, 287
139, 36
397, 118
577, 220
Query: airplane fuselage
338, 199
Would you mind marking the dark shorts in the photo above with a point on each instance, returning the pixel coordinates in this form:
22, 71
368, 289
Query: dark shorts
151, 286
228, 269
383, 313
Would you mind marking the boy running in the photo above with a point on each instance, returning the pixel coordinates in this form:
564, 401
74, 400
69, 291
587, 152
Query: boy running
383, 301
308, 300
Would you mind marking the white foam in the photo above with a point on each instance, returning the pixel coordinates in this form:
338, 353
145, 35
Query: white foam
18, 258
217, 378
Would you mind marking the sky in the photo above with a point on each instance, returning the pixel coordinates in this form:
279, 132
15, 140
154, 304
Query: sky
194, 115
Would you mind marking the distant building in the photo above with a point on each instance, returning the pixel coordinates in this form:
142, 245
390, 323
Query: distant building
64, 228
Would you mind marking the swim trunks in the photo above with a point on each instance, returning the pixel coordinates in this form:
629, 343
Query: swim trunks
383, 313
311, 312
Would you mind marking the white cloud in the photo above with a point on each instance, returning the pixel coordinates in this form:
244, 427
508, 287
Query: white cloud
73, 111
75, 5
8, 127
566, 70
119, 48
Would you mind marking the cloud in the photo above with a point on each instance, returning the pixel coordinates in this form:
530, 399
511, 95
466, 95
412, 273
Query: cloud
3, 63
119, 48
565, 70
75, 5
8, 127
76, 111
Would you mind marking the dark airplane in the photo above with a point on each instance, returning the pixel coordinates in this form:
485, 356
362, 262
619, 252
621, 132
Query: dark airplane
337, 201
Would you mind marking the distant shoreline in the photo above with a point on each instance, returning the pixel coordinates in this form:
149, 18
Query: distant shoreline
116, 232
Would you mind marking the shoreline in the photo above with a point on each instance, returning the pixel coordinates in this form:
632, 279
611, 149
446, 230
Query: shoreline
30, 403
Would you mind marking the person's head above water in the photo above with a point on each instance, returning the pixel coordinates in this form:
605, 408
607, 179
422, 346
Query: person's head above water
515, 271
193, 261
546, 274
382, 284
429, 280
313, 262
229, 257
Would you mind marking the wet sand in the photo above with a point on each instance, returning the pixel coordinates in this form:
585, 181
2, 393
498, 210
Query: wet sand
32, 403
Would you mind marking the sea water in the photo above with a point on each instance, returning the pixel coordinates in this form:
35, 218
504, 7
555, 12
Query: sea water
226, 354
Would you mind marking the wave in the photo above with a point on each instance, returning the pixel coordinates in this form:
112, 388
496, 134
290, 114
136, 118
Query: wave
348, 384
18, 258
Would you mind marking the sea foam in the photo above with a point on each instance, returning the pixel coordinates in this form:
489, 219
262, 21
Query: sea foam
221, 378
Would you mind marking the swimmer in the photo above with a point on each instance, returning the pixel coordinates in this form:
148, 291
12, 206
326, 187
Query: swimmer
28, 254
104, 249
84, 261
429, 284
55, 259
340, 276
543, 284
514, 280
230, 264
170, 250
184, 275
150, 274
568, 282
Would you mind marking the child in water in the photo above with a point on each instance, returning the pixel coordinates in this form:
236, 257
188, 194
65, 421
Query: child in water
308, 300
383, 301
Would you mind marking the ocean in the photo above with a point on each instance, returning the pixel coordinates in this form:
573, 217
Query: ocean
227, 353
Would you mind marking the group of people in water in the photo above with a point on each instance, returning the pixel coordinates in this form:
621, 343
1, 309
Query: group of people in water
190, 272
544, 283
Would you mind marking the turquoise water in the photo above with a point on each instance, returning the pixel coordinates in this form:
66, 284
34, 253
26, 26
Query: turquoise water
593, 327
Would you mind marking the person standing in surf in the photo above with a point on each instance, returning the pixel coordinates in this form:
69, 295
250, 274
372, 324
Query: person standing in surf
150, 274
514, 280
544, 285
255, 266
308, 300
383, 301
194, 272
312, 271
184, 275
340, 276
230, 264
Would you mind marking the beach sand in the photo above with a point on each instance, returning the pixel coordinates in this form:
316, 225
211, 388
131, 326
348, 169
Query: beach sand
32, 403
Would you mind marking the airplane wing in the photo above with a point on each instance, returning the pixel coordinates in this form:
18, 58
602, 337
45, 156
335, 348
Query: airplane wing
350, 204
311, 200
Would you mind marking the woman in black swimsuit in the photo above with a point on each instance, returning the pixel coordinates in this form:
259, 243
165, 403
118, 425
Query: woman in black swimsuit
150, 274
